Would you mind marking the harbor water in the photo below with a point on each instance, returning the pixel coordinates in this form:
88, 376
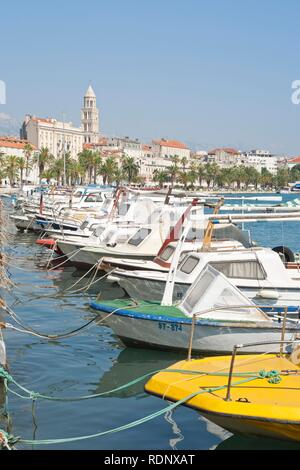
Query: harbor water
96, 361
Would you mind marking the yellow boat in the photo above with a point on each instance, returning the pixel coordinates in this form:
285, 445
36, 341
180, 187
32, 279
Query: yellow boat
263, 398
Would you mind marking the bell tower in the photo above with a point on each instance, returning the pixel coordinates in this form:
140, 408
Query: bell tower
90, 117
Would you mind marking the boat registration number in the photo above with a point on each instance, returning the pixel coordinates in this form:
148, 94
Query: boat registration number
170, 326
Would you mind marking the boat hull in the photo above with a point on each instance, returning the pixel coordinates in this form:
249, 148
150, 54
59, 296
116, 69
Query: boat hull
160, 333
282, 430
150, 289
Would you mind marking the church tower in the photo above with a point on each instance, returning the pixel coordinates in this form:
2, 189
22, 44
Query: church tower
90, 117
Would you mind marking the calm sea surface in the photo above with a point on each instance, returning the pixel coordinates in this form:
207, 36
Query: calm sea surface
96, 361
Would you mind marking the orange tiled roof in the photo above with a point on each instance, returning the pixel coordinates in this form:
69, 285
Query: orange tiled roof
13, 142
101, 143
38, 119
170, 143
294, 160
146, 147
231, 151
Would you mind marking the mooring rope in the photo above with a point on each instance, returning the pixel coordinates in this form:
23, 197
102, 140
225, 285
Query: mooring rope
261, 374
27, 329
11, 440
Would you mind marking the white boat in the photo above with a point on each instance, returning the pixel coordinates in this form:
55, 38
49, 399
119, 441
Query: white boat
212, 317
68, 210
258, 272
135, 240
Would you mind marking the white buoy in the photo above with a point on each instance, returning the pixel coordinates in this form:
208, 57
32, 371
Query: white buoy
268, 294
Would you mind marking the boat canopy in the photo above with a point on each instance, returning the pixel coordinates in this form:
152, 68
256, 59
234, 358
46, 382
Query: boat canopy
213, 296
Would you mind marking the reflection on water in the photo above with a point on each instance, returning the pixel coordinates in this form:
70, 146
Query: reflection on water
132, 363
68, 279
170, 418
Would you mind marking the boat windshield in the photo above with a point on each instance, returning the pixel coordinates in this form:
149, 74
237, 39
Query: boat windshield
139, 236
213, 296
94, 198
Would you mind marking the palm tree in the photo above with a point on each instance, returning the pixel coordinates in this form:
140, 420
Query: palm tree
89, 160
130, 168
75, 172
184, 178
28, 149
108, 170
175, 159
11, 168
211, 173
22, 165
57, 170
237, 175
2, 174
266, 178
161, 176
44, 159
184, 162
96, 164
48, 174
118, 176
282, 177
201, 173
173, 173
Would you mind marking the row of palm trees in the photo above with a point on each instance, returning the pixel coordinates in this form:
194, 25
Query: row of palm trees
90, 164
214, 176
67, 170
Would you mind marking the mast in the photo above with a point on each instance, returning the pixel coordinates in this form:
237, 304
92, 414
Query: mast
210, 227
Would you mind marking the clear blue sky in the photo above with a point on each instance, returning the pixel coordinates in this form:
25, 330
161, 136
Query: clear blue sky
212, 73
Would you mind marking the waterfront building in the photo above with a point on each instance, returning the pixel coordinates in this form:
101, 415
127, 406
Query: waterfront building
12, 146
260, 159
292, 162
57, 136
60, 136
165, 148
130, 147
225, 157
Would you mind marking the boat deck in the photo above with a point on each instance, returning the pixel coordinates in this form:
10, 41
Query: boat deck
255, 398
141, 307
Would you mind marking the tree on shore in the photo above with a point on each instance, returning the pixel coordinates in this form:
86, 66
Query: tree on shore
109, 170
130, 168
44, 159
11, 168
160, 176
22, 165
28, 150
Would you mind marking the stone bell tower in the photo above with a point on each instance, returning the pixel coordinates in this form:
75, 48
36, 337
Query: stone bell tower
90, 117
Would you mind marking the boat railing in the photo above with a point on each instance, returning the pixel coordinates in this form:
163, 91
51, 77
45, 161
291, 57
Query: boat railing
281, 343
237, 347
277, 315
